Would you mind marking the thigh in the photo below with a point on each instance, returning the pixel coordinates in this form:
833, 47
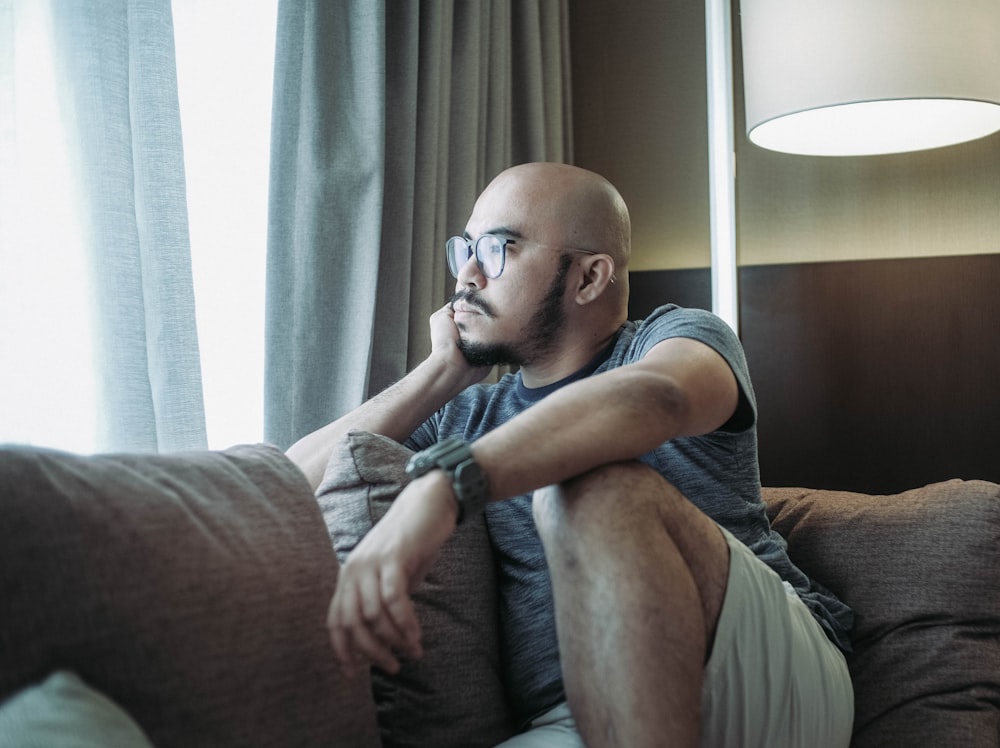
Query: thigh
774, 678
554, 729
622, 519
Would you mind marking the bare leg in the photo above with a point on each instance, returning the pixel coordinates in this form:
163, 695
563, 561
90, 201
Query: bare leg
638, 575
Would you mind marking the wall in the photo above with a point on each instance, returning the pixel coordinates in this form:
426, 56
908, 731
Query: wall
867, 284
638, 118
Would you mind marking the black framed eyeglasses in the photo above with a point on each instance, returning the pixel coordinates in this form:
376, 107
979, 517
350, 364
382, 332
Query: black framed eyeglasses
490, 252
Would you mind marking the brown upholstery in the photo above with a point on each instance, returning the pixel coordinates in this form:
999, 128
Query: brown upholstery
453, 696
921, 569
190, 588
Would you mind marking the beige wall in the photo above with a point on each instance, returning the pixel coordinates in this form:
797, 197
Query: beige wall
640, 118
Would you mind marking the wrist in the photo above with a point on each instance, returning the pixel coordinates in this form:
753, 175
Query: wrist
438, 485
453, 459
451, 371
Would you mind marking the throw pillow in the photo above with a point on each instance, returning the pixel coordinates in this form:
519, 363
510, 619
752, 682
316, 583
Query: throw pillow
453, 696
62, 712
919, 569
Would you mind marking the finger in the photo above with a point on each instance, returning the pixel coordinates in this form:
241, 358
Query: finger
373, 612
370, 603
368, 629
354, 645
373, 649
400, 611
352, 642
335, 617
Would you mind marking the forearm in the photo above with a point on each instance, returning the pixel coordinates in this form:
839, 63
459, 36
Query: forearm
396, 412
579, 428
680, 388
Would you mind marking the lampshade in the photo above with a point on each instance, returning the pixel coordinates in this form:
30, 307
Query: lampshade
858, 77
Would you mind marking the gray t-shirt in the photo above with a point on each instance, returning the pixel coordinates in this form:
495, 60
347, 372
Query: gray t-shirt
718, 472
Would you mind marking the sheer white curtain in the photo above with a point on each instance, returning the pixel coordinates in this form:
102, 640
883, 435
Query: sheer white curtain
99, 348
48, 378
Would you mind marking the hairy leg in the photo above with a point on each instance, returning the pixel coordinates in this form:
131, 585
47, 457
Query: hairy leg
638, 575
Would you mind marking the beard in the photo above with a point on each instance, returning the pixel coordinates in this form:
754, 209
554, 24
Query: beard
541, 333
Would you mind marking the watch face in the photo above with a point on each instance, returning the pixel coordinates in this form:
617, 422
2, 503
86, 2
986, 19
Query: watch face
467, 475
470, 483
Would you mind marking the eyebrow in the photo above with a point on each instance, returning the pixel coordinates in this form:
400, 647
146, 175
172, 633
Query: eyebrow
504, 231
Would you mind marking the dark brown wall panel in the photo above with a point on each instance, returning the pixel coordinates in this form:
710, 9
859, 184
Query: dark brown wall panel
874, 376
652, 288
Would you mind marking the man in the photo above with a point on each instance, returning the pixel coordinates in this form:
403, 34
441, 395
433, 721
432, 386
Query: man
620, 469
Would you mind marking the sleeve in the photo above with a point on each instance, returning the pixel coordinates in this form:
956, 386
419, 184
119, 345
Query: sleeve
425, 435
679, 322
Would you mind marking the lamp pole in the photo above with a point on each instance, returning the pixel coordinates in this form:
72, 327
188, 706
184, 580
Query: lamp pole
721, 160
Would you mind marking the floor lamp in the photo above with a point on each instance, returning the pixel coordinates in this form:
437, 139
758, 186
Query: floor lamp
844, 78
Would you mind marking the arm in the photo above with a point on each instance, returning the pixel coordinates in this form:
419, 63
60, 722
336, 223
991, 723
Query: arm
399, 410
680, 388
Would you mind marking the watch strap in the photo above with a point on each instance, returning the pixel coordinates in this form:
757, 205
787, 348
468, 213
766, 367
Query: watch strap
468, 481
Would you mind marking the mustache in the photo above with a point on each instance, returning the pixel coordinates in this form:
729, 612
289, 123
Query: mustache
471, 298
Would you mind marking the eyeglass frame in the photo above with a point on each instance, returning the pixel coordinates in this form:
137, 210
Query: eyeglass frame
472, 247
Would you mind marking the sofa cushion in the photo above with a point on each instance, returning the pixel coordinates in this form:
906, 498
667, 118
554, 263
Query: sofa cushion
920, 569
454, 695
63, 712
191, 589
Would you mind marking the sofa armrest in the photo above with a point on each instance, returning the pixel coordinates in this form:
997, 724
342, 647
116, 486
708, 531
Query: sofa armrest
191, 589
920, 570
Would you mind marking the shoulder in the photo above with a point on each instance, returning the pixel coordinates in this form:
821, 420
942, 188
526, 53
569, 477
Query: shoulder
672, 321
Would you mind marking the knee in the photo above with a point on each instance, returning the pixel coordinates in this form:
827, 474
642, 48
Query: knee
596, 501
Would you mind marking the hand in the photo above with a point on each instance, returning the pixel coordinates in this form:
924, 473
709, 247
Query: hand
371, 618
445, 342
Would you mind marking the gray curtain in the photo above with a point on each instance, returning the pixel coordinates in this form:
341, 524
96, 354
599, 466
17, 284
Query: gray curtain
389, 118
120, 91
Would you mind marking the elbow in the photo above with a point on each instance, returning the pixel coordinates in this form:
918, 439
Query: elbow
674, 406
663, 403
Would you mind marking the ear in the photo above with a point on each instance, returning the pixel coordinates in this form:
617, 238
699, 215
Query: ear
598, 274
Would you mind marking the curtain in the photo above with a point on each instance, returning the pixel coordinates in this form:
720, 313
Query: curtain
116, 93
388, 119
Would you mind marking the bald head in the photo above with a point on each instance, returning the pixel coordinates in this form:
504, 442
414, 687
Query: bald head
566, 205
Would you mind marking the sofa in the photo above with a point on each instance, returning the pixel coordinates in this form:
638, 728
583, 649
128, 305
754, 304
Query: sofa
180, 600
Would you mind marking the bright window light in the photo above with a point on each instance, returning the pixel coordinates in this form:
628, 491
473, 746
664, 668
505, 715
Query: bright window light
225, 63
48, 385
48, 388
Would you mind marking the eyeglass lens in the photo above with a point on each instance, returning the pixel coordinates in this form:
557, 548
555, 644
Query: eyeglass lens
490, 254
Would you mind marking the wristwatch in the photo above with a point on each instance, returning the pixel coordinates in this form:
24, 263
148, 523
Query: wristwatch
467, 479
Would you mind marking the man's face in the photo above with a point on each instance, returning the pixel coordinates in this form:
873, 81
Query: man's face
539, 336
518, 317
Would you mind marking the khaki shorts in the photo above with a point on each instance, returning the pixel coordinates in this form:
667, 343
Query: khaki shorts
774, 679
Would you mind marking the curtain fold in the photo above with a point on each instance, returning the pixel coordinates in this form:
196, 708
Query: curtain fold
116, 64
389, 118
326, 202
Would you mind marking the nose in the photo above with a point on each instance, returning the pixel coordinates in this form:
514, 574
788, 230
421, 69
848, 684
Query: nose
470, 275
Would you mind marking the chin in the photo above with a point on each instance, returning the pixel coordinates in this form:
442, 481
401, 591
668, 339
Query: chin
479, 353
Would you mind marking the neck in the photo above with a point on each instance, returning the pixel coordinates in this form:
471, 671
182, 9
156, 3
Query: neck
565, 360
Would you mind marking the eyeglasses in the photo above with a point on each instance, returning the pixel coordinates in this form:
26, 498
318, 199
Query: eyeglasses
490, 252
